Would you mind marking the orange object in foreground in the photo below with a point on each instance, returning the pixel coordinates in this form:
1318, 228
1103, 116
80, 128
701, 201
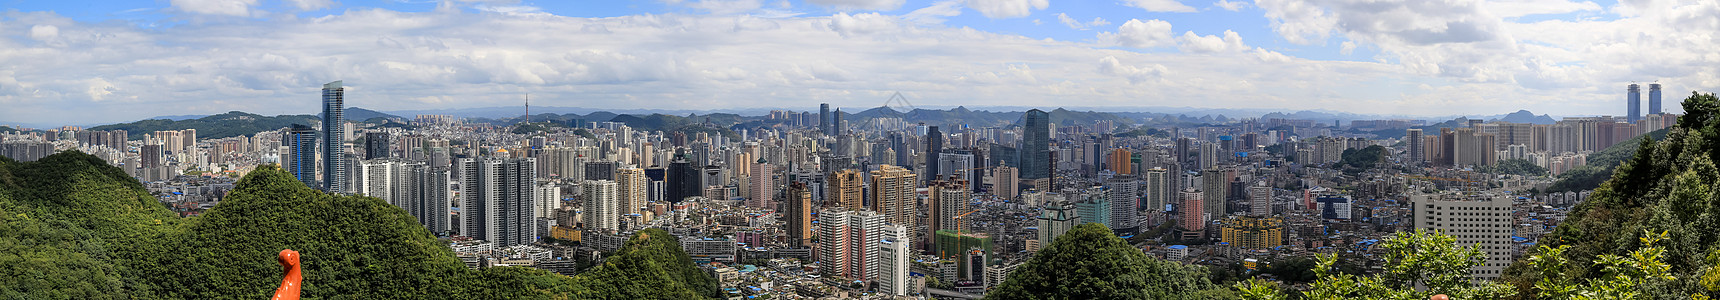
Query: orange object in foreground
289, 289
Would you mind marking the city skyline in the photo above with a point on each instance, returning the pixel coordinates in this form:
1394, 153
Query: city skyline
110, 62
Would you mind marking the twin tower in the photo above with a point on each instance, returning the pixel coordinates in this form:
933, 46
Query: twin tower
1634, 101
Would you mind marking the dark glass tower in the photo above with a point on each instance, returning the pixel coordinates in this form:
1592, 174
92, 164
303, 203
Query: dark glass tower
683, 178
334, 138
1036, 145
1654, 99
301, 155
934, 146
824, 118
376, 145
1634, 100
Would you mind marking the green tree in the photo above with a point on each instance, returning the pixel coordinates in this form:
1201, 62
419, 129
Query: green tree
1089, 262
1413, 259
1627, 276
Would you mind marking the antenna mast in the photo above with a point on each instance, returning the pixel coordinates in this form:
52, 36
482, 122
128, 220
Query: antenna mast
528, 108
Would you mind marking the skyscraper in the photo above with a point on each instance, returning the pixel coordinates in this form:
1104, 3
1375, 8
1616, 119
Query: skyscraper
1417, 151
824, 118
630, 187
1036, 145
1654, 99
1121, 161
893, 195
949, 199
1260, 200
1633, 100
301, 155
375, 145
497, 199
797, 212
761, 185
427, 199
1124, 205
934, 146
1216, 186
844, 189
602, 209
683, 178
334, 137
1193, 210
1157, 185
847, 242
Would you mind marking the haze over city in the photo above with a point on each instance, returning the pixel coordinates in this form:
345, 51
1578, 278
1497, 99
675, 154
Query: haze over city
108, 62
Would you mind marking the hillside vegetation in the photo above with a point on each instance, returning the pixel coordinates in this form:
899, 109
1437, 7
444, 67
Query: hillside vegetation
1670, 186
73, 227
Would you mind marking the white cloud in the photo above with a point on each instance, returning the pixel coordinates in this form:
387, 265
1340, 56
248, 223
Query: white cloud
1140, 34
1077, 25
1136, 75
861, 24
308, 5
237, 8
1159, 5
1194, 43
1518, 8
1347, 48
935, 13
721, 7
861, 4
1231, 5
44, 32
1003, 9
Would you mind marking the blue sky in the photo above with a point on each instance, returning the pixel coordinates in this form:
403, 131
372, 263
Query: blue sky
78, 62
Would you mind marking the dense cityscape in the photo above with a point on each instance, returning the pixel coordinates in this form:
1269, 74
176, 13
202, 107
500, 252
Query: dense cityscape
860, 149
823, 203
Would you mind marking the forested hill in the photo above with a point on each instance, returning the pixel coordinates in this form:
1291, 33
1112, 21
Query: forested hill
238, 123
73, 227
1671, 185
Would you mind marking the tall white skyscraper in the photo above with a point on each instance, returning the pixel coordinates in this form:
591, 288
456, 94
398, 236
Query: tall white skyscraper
894, 257
1260, 200
497, 195
602, 209
427, 200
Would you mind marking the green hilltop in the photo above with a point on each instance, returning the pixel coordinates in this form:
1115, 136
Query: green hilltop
73, 227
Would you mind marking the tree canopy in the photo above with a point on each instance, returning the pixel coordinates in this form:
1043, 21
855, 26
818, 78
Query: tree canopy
73, 227
1089, 262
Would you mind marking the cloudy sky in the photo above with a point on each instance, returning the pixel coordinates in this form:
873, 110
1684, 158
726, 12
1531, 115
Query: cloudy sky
77, 62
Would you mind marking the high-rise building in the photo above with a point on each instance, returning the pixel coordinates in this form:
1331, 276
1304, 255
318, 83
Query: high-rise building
1125, 208
824, 119
1005, 183
762, 185
893, 261
1482, 220
845, 189
684, 179
948, 201
893, 195
847, 240
427, 198
1036, 145
1121, 162
1260, 200
1159, 188
1193, 210
1633, 102
934, 147
376, 145
334, 138
954, 163
600, 170
1654, 99
797, 212
301, 154
602, 209
497, 199
630, 190
1417, 147
1216, 186
1055, 219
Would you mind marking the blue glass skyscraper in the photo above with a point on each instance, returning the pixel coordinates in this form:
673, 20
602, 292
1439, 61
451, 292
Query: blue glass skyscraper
334, 138
300, 159
1654, 99
1634, 100
1036, 145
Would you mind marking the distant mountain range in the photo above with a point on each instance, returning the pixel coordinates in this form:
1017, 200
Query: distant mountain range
236, 123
